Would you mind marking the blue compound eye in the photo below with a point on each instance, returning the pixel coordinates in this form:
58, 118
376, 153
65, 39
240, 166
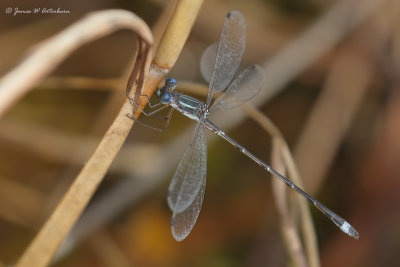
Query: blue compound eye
170, 80
165, 98
170, 84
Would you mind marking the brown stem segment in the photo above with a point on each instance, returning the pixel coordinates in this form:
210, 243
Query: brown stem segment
45, 244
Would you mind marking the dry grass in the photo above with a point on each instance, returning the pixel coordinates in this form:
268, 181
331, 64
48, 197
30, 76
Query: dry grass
350, 73
40, 63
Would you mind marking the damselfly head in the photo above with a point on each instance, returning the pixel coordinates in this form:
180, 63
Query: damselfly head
170, 84
165, 97
164, 93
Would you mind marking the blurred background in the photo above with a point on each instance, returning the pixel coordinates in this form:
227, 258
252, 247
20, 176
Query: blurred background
331, 87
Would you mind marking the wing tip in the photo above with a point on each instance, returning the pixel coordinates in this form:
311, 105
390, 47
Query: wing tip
178, 236
232, 13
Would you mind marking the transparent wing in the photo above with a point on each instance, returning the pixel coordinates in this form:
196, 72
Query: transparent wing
230, 51
188, 178
182, 222
207, 61
242, 89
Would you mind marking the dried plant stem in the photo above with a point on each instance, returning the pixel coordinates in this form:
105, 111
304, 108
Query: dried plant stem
281, 148
279, 190
41, 250
308, 229
160, 25
109, 109
93, 26
48, 54
176, 33
68, 210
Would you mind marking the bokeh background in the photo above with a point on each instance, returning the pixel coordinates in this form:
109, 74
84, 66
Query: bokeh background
332, 88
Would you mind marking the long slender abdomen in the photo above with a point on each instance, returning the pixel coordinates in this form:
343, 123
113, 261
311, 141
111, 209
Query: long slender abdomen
336, 219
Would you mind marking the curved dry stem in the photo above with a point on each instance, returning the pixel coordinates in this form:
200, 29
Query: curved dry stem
35, 67
288, 225
61, 221
50, 53
281, 152
115, 99
278, 84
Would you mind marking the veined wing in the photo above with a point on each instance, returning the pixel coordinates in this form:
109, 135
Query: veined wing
242, 89
207, 62
230, 51
189, 176
182, 222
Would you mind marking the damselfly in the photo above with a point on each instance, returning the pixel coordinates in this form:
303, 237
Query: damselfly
186, 191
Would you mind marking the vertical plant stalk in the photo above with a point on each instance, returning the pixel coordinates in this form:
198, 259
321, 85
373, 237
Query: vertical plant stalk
288, 226
44, 245
285, 158
97, 24
176, 33
170, 46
